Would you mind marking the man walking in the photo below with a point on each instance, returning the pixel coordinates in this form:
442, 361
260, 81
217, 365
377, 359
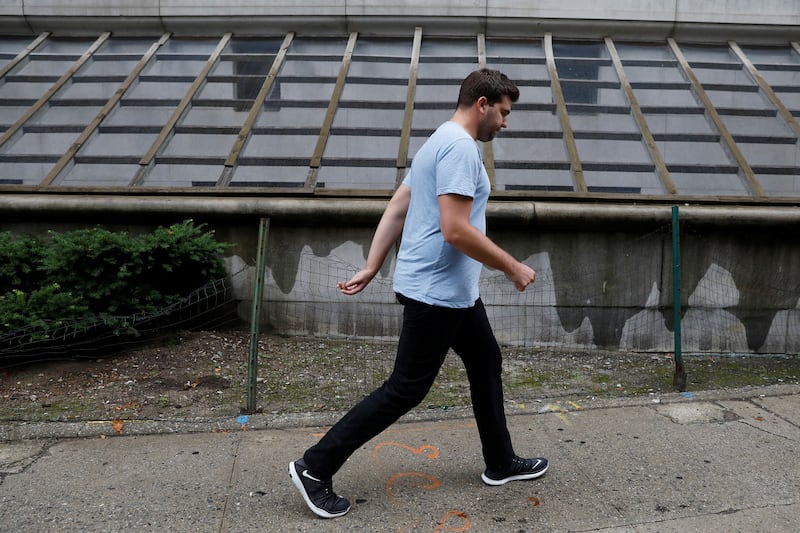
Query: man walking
440, 211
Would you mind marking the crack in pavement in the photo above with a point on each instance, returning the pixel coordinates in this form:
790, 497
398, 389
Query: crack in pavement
17, 457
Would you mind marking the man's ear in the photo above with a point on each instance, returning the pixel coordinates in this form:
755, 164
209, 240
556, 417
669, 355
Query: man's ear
483, 103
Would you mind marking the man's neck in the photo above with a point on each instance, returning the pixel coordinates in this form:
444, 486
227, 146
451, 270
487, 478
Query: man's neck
466, 120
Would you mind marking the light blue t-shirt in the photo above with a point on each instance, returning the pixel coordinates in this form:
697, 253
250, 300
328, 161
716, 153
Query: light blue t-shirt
428, 269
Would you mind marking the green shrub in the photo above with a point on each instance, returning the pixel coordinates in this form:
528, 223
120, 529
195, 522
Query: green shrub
94, 274
183, 254
19, 260
99, 265
46, 308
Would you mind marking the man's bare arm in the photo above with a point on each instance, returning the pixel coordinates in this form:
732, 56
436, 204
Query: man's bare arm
388, 231
462, 235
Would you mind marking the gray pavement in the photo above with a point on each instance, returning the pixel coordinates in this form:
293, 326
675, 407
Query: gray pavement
711, 462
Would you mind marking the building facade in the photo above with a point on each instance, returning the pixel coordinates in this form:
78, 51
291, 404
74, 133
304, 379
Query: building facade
135, 113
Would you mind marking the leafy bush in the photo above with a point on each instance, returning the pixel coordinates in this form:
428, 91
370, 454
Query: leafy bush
96, 274
182, 254
97, 264
39, 307
19, 261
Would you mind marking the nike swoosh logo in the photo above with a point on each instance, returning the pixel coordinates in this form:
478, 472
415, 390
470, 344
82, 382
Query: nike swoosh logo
309, 476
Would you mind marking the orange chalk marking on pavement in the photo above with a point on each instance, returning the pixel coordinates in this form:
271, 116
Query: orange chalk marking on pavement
466, 523
433, 451
433, 482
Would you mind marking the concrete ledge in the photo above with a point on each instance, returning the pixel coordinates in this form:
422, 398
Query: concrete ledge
768, 20
630, 10
83, 27
19, 207
92, 8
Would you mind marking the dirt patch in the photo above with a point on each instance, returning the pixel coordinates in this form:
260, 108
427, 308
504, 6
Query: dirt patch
204, 374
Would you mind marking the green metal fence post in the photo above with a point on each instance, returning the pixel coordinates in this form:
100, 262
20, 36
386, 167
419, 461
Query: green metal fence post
679, 380
255, 317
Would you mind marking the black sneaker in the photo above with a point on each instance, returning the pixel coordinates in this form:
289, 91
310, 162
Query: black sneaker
318, 493
520, 469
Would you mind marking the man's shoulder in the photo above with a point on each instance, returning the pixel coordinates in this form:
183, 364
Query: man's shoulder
451, 136
452, 130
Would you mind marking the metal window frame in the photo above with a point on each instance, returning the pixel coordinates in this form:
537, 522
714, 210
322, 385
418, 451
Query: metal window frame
785, 114
563, 114
16, 129
750, 179
325, 130
636, 110
581, 191
408, 114
146, 162
68, 157
247, 128
24, 55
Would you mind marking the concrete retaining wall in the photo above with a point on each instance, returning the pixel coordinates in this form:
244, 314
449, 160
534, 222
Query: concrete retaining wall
604, 271
599, 288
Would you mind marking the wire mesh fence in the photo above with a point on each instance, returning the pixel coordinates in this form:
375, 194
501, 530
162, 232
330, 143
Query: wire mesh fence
587, 324
735, 302
591, 324
603, 305
208, 307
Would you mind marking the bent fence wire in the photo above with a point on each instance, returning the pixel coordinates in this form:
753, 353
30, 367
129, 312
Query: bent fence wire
208, 307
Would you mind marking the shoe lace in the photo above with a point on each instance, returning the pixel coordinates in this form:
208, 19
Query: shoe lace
325, 494
522, 464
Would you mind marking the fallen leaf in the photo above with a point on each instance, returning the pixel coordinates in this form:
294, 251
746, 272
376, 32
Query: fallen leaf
117, 424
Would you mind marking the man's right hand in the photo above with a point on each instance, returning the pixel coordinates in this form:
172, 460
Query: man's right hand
522, 275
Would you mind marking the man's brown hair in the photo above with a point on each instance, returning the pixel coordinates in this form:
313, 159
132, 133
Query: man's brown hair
492, 84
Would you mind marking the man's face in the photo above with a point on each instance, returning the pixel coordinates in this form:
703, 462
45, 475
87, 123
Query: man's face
494, 119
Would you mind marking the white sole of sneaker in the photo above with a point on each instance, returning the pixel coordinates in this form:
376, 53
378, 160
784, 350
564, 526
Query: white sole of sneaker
322, 513
520, 477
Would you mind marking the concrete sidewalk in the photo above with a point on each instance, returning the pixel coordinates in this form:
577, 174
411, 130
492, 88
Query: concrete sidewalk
712, 462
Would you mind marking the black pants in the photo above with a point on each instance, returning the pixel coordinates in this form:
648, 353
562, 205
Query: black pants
427, 334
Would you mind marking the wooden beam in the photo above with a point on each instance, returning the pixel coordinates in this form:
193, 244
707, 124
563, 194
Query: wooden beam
166, 132
488, 150
42, 102
561, 106
749, 176
112, 103
24, 54
636, 110
408, 116
333, 104
785, 114
255, 110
